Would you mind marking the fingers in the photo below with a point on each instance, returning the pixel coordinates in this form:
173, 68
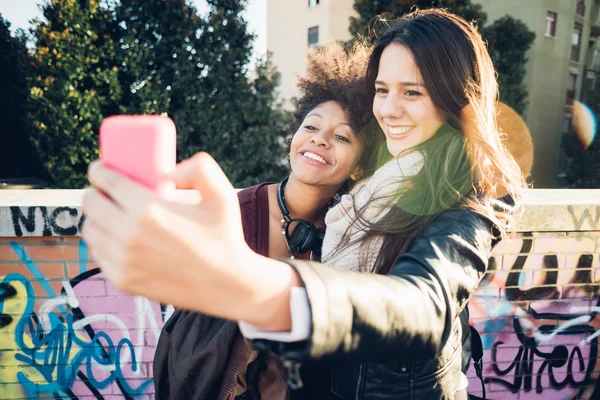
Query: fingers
104, 253
102, 211
126, 193
202, 173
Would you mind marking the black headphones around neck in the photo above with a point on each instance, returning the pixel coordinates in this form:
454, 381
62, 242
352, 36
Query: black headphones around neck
305, 236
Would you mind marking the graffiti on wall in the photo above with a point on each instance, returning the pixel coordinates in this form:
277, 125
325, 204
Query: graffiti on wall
45, 221
537, 310
87, 341
589, 215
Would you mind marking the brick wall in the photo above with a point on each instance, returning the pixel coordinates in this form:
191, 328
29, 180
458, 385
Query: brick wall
66, 333
536, 311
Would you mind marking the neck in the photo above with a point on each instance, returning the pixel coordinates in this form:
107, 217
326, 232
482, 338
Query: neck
307, 201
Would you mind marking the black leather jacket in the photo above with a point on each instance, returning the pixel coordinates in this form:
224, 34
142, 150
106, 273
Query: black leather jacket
398, 336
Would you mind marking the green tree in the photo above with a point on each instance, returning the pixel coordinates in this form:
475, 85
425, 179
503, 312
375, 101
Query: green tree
369, 10
17, 158
508, 39
153, 51
74, 84
195, 69
156, 56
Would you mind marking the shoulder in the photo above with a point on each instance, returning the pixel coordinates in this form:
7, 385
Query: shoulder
463, 237
250, 194
465, 223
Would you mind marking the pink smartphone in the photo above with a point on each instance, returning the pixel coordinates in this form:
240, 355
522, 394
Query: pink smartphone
142, 147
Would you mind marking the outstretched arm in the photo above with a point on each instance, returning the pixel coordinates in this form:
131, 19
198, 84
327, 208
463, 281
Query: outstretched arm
192, 256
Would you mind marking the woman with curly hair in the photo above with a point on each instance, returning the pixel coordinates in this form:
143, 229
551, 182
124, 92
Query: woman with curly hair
200, 357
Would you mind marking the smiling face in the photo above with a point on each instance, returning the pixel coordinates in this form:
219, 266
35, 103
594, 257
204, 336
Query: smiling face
325, 151
402, 104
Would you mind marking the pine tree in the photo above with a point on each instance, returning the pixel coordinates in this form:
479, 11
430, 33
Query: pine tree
195, 70
368, 10
237, 118
155, 56
17, 158
73, 86
508, 39
150, 37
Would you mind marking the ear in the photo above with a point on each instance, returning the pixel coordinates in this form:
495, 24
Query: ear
357, 174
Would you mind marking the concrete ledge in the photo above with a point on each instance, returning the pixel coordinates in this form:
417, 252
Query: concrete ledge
556, 210
58, 212
50, 212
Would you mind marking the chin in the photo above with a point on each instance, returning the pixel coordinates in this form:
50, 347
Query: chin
317, 180
395, 151
308, 178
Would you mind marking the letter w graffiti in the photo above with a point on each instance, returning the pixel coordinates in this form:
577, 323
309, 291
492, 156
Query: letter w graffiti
585, 216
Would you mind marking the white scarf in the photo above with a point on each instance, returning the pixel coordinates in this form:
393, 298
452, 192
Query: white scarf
373, 199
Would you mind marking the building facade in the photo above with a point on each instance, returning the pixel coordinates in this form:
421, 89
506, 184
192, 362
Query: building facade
295, 26
559, 70
561, 66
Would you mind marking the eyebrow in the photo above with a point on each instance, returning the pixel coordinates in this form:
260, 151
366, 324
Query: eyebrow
401, 83
320, 116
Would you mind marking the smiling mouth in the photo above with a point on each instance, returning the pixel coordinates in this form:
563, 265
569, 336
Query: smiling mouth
315, 157
400, 130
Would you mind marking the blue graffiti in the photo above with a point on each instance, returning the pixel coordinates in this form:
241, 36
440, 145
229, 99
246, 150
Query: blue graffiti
51, 353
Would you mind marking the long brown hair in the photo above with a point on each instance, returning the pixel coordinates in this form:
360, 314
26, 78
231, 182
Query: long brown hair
464, 166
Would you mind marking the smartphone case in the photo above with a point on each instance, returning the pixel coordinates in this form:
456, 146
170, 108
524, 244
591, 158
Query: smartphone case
142, 147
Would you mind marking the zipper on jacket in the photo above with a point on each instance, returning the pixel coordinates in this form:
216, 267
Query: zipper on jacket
292, 369
360, 379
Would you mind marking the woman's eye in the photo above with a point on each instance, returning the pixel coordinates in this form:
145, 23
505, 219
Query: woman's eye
342, 138
412, 93
310, 128
380, 90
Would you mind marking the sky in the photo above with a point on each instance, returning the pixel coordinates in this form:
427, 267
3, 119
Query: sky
20, 12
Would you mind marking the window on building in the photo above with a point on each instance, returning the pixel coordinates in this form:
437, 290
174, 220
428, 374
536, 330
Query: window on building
596, 61
313, 3
551, 24
277, 81
313, 36
588, 83
564, 162
580, 8
576, 41
571, 85
567, 123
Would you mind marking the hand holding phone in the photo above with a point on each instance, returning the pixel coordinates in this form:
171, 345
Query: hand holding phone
142, 147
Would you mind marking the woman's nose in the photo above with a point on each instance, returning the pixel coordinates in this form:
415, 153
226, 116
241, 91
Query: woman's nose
320, 139
392, 108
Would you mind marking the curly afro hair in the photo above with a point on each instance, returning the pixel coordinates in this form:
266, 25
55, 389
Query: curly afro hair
336, 73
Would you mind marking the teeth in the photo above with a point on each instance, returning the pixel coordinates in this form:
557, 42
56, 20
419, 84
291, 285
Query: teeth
315, 157
399, 130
